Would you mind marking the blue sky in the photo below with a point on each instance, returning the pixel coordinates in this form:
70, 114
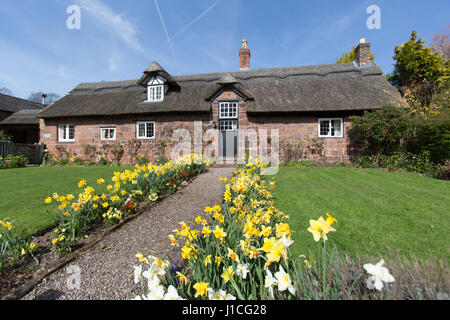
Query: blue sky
119, 39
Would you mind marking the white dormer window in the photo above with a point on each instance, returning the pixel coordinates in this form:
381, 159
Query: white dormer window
155, 93
155, 89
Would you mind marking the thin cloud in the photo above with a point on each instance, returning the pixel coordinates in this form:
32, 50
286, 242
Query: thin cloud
115, 22
167, 34
195, 20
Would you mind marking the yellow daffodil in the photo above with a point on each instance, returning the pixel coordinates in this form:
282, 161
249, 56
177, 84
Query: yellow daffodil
201, 289
141, 258
219, 233
319, 229
227, 274
232, 255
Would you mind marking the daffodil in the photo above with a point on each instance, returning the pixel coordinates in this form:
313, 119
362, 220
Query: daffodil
319, 229
219, 295
284, 281
201, 289
141, 258
219, 233
378, 275
181, 277
242, 270
227, 274
270, 282
232, 255
172, 294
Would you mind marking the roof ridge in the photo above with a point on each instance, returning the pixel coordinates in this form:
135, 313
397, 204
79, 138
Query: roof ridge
17, 98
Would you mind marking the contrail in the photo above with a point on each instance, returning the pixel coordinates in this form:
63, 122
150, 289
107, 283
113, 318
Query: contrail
196, 19
167, 34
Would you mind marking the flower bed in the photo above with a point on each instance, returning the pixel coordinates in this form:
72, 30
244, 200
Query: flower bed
114, 202
13, 245
11, 162
240, 250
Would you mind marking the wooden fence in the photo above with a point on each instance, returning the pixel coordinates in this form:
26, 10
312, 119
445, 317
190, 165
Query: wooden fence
6, 147
33, 152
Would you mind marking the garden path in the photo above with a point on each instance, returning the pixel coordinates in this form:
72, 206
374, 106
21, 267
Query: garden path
106, 269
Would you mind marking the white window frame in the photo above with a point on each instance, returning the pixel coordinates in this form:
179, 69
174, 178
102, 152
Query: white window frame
145, 123
152, 93
229, 105
66, 129
102, 137
329, 132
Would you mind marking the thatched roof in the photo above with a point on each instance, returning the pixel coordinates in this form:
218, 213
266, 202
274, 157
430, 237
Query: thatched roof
14, 104
335, 87
22, 117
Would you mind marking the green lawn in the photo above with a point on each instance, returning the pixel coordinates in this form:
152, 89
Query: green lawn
22, 191
378, 212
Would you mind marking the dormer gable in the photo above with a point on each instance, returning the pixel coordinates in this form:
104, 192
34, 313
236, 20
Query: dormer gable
157, 82
228, 82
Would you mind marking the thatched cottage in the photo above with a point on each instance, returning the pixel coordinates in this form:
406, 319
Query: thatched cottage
306, 103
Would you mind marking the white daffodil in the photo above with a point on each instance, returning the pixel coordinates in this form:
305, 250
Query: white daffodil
287, 242
219, 295
379, 274
284, 281
269, 282
137, 274
242, 270
156, 292
153, 280
172, 294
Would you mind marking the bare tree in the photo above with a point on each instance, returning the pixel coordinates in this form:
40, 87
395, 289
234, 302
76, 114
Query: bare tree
6, 91
442, 43
49, 97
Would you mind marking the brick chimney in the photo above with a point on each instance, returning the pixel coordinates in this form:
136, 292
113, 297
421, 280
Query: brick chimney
362, 53
244, 56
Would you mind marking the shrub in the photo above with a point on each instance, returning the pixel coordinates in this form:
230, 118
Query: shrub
12, 161
443, 171
410, 162
380, 132
4, 136
117, 152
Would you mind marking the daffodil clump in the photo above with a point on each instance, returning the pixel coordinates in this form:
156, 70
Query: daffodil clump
116, 199
13, 245
236, 250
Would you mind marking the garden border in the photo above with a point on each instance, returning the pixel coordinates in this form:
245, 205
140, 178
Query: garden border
42, 273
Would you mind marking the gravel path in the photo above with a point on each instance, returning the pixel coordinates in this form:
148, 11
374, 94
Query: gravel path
107, 268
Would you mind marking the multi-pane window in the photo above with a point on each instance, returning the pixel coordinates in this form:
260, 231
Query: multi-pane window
145, 130
108, 133
228, 110
155, 93
331, 127
66, 133
228, 125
